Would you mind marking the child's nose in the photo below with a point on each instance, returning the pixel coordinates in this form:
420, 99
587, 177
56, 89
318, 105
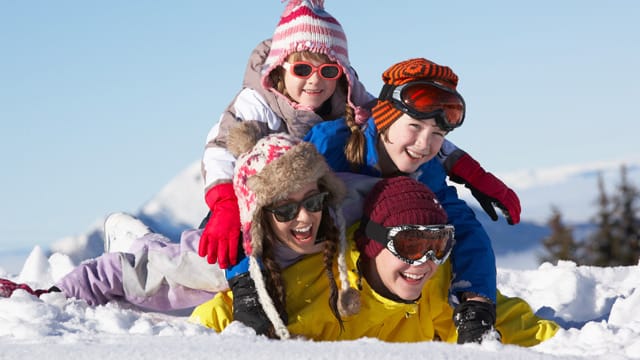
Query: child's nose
303, 214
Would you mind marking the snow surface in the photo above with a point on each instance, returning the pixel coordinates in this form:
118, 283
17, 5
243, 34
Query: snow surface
596, 307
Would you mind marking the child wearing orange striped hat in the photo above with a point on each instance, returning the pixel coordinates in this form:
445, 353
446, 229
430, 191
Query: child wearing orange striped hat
418, 105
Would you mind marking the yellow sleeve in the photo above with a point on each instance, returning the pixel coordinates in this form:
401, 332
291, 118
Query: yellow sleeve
518, 325
437, 291
216, 313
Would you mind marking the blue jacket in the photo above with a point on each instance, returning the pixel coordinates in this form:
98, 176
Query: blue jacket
473, 260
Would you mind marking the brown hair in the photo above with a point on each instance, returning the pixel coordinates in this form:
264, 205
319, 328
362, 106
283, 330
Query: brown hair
274, 281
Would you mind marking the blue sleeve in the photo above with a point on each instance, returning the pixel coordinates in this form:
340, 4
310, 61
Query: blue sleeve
473, 261
330, 138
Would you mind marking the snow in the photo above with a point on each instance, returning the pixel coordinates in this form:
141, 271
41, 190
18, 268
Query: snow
596, 307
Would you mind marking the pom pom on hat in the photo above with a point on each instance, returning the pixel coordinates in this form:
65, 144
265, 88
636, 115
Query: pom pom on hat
398, 201
384, 113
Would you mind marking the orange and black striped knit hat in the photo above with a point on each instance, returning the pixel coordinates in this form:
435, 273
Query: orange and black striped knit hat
384, 113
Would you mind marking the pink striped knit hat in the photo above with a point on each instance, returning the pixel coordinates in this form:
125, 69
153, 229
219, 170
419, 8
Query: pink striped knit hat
306, 26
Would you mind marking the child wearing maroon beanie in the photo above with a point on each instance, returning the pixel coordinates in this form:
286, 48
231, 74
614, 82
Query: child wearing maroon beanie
397, 259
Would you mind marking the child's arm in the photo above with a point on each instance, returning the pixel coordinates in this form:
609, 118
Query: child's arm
220, 238
473, 260
485, 187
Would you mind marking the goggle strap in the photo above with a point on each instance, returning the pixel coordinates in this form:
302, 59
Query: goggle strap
376, 232
386, 91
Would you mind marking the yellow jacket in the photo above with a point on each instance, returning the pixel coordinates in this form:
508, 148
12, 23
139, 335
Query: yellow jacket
430, 318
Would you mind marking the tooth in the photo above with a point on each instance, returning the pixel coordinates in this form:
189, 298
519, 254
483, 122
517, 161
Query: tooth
414, 154
413, 276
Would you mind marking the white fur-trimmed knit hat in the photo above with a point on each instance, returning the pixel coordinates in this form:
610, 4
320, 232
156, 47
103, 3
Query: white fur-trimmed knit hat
267, 170
306, 26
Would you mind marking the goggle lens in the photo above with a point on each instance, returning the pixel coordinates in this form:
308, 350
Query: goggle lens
415, 246
426, 100
289, 211
304, 70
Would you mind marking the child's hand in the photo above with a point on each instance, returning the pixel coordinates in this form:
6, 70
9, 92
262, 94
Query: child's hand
475, 320
221, 236
487, 189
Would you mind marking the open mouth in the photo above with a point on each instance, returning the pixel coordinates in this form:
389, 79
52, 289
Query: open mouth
415, 155
302, 234
412, 277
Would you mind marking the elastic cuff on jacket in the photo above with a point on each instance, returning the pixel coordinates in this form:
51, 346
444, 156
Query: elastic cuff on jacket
452, 158
240, 268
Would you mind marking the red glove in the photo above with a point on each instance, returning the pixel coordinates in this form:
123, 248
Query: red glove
487, 189
221, 236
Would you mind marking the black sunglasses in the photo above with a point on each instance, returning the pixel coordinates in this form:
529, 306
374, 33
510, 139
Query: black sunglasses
289, 211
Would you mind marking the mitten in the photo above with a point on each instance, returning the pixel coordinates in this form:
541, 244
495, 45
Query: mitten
486, 188
247, 308
474, 319
220, 238
7, 287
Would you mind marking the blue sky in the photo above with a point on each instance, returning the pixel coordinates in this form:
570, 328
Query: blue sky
102, 103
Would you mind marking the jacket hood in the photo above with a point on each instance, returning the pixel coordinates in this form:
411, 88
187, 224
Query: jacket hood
299, 120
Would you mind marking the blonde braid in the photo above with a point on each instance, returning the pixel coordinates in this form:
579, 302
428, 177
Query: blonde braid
354, 150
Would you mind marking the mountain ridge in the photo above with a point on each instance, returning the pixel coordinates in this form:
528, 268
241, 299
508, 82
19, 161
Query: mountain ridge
179, 205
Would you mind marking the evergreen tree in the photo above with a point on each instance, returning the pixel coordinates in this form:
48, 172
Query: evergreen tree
602, 246
626, 223
617, 240
560, 245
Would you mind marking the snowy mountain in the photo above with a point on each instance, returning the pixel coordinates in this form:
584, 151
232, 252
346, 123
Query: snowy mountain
573, 189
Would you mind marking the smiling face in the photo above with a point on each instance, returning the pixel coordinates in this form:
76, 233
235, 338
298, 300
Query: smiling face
410, 143
397, 280
311, 92
300, 233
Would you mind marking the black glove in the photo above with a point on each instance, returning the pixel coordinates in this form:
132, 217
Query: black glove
473, 319
488, 203
247, 308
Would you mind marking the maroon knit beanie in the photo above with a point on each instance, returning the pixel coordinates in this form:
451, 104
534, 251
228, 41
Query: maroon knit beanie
398, 201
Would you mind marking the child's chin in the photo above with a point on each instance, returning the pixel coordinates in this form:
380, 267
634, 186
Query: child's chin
409, 169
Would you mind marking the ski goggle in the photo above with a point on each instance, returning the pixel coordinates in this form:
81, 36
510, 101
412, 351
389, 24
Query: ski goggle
427, 100
414, 244
304, 70
289, 211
